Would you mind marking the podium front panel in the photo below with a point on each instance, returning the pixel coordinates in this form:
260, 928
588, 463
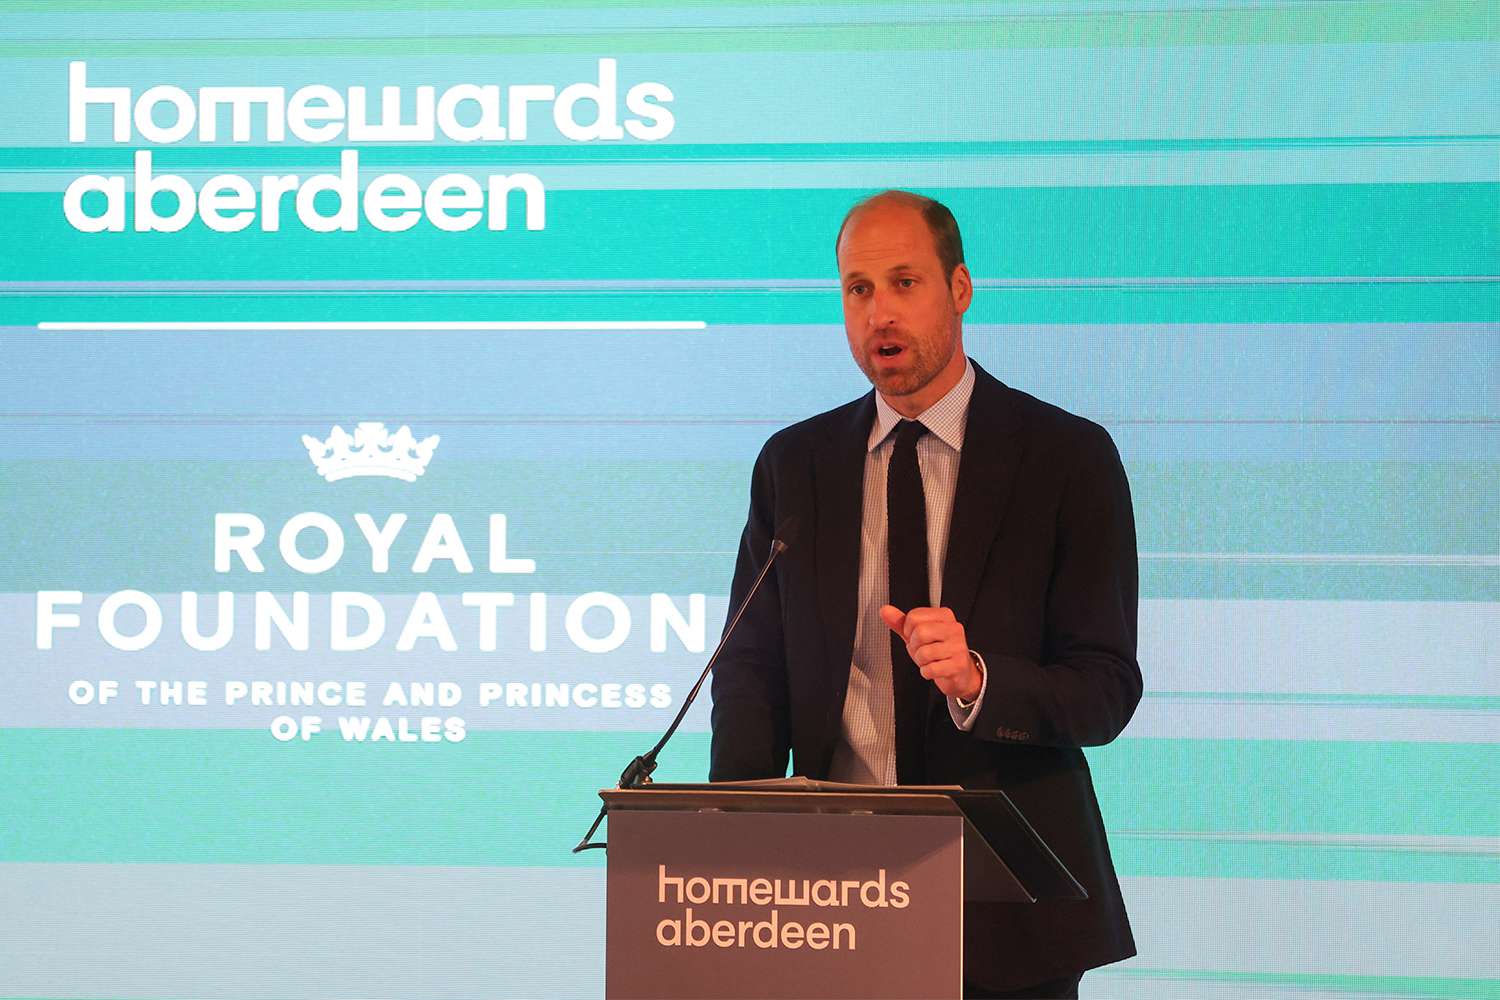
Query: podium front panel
719, 905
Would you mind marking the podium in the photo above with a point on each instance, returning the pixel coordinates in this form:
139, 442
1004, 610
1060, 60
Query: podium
795, 888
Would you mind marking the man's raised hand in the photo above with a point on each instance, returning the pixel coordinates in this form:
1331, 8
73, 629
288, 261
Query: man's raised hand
937, 645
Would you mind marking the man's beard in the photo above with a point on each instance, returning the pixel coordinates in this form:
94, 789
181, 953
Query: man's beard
924, 365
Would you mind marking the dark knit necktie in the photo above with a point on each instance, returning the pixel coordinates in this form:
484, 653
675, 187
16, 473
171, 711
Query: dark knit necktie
906, 535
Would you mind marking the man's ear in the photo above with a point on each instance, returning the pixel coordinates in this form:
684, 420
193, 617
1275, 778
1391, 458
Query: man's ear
961, 287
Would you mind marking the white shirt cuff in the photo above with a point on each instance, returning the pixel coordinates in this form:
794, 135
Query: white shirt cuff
964, 718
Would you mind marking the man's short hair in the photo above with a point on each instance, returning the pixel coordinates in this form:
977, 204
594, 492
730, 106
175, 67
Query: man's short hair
940, 223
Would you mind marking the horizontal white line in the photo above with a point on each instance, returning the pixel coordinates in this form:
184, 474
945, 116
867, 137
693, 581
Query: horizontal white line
350, 325
1351, 558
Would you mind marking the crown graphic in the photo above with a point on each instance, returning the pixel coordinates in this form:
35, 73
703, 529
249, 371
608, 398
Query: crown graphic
370, 451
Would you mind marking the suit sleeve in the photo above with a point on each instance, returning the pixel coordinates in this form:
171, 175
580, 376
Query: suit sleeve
751, 716
1089, 683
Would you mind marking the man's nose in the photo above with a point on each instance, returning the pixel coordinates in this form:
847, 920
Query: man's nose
882, 310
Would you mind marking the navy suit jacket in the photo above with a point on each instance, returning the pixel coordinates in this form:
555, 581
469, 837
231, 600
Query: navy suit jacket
1041, 571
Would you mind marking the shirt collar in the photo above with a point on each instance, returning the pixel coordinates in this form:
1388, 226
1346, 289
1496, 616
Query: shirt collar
946, 419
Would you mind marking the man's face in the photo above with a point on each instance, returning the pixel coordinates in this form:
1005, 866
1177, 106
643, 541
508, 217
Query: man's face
903, 320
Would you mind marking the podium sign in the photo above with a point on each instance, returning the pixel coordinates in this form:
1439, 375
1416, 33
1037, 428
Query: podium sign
723, 904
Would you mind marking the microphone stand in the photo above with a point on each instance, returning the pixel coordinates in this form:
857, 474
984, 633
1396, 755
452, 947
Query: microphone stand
638, 771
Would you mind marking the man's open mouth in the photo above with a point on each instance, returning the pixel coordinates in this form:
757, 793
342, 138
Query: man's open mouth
889, 350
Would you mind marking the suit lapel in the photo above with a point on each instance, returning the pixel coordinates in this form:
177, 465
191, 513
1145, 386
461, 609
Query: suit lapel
986, 473
838, 477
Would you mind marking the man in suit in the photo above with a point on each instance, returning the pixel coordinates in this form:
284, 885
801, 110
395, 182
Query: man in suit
958, 601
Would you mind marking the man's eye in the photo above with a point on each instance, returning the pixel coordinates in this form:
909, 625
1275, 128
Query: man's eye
907, 282
857, 289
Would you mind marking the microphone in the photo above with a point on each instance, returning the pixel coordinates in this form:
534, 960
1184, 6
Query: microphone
638, 771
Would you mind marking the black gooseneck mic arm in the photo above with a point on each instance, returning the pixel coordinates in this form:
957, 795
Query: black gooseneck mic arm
638, 771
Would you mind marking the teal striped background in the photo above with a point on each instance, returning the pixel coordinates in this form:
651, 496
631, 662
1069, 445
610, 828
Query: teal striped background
1259, 241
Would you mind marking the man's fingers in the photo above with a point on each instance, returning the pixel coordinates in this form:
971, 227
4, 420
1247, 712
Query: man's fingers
930, 621
945, 668
916, 617
934, 652
921, 634
919, 616
936, 642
